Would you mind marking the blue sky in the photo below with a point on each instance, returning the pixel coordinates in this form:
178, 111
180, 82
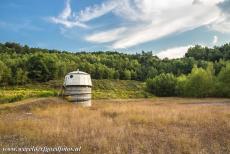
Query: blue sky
166, 27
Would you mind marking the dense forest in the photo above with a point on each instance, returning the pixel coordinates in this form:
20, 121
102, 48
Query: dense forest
202, 72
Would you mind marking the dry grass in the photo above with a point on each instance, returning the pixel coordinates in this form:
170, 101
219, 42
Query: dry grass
166, 125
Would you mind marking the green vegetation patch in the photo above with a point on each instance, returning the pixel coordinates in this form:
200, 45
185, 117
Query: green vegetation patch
114, 89
102, 89
9, 95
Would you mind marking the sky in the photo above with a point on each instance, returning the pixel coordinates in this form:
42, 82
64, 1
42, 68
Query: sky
165, 27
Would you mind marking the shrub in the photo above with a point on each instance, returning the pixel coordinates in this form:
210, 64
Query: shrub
38, 70
162, 85
223, 84
200, 83
181, 85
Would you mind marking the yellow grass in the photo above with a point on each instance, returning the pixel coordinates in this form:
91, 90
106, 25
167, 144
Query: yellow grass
13, 94
166, 125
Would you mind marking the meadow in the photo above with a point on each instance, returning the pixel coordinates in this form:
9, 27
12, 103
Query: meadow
156, 125
10, 95
102, 89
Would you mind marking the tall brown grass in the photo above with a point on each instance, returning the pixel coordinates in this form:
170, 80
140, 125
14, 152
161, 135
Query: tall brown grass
132, 126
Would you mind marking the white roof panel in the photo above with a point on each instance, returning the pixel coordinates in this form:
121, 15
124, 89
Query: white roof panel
78, 72
77, 78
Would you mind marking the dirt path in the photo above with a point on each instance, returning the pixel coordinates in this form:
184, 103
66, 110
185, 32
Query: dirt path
171, 100
155, 101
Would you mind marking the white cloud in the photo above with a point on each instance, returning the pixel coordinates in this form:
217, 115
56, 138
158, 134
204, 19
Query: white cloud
146, 20
155, 19
167, 20
106, 36
196, 2
66, 13
215, 40
223, 27
96, 11
68, 24
65, 18
173, 53
222, 24
71, 19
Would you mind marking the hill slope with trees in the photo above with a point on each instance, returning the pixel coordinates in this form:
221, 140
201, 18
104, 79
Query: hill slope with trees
202, 68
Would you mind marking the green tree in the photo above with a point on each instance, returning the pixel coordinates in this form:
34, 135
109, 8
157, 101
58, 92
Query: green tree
162, 85
2, 66
51, 63
152, 72
133, 75
200, 83
37, 69
181, 85
116, 75
223, 85
5, 74
21, 77
62, 70
127, 75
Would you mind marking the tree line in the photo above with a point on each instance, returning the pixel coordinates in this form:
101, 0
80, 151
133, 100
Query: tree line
21, 64
199, 83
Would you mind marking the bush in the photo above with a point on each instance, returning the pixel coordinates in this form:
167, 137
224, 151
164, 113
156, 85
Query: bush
162, 85
200, 83
223, 84
38, 70
181, 85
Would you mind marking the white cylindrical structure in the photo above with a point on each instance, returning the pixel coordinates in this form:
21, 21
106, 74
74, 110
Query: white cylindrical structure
77, 87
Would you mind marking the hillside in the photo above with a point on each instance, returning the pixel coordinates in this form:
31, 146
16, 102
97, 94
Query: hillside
115, 89
210, 67
102, 89
22, 64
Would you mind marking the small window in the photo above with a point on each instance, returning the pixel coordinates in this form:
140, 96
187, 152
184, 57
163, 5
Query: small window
71, 76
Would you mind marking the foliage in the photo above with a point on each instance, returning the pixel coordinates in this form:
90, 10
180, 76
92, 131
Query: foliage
41, 68
223, 84
102, 89
5, 74
21, 65
126, 75
162, 85
21, 77
9, 95
203, 53
180, 89
115, 89
200, 83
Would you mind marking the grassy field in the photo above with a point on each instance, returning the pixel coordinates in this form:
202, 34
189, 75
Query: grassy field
12, 94
157, 125
115, 89
102, 89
